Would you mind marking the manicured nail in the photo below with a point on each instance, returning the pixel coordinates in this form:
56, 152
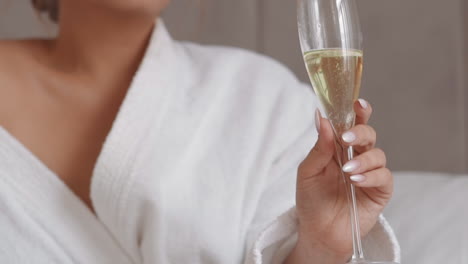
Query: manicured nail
363, 103
358, 178
318, 116
349, 137
351, 166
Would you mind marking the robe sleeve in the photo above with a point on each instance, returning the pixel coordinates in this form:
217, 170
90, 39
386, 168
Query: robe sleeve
273, 231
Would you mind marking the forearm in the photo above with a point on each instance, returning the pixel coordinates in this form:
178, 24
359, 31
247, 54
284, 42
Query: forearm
310, 252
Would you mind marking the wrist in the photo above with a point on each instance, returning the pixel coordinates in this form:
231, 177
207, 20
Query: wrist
309, 250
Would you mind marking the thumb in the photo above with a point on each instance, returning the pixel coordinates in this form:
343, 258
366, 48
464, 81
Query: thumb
322, 153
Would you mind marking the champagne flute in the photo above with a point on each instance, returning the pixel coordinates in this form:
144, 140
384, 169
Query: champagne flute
331, 41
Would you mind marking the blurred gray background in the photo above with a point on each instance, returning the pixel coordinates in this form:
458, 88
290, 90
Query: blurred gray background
415, 73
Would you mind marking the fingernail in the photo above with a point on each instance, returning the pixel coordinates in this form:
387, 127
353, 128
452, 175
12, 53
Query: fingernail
349, 137
363, 103
358, 178
318, 116
351, 166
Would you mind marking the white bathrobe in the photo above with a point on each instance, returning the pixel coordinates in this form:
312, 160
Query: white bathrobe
199, 167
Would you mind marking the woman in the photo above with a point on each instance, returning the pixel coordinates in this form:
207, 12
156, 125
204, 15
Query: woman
139, 149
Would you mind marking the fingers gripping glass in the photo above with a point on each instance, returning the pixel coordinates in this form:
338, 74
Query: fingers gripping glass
331, 43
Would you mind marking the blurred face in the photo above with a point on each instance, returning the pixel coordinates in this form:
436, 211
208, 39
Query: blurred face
125, 7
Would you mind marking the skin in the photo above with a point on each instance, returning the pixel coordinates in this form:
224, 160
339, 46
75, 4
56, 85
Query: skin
322, 206
65, 94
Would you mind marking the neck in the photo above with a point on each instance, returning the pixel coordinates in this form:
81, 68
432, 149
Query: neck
101, 45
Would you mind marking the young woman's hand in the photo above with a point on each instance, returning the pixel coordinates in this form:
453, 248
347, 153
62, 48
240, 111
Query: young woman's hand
322, 205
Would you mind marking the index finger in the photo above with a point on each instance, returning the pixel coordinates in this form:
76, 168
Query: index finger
363, 111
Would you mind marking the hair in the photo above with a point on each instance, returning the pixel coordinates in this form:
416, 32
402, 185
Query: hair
50, 7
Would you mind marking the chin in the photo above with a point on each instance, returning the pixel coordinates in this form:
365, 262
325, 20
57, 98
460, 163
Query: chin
132, 7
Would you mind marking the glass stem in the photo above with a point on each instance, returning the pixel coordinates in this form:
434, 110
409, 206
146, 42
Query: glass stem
358, 253
344, 155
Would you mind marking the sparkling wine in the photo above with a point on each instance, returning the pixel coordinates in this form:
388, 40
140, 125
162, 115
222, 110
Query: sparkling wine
336, 77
